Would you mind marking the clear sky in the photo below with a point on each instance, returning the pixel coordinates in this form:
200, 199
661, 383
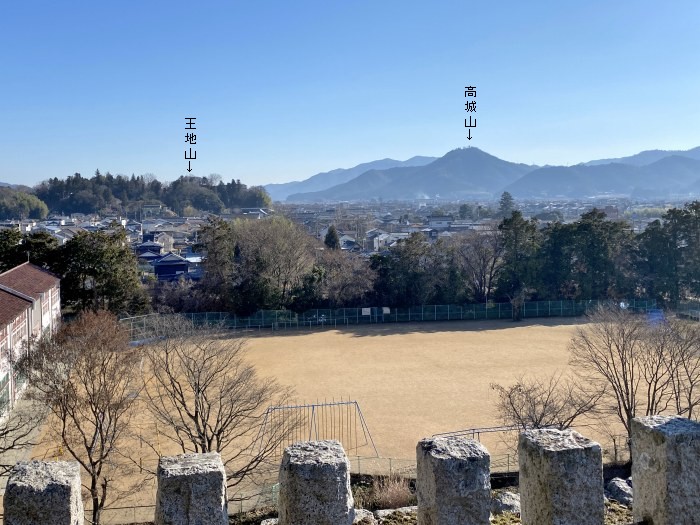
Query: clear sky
282, 90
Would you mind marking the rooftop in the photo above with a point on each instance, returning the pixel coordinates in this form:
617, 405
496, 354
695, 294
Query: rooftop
29, 279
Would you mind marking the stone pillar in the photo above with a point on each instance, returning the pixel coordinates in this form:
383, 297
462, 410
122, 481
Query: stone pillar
561, 478
666, 470
44, 493
453, 481
191, 490
315, 485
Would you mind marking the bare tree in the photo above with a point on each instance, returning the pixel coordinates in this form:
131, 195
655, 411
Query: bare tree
199, 388
276, 251
648, 367
685, 351
607, 353
480, 256
657, 361
17, 429
347, 278
537, 403
86, 375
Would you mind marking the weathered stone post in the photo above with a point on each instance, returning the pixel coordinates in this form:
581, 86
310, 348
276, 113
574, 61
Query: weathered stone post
315, 485
191, 490
666, 470
453, 482
44, 493
561, 478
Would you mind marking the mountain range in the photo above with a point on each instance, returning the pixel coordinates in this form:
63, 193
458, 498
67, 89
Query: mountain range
322, 181
470, 173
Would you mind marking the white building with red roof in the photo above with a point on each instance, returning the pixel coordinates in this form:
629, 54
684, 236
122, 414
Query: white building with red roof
30, 304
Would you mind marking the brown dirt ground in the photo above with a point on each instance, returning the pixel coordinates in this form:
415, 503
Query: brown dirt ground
410, 380
415, 380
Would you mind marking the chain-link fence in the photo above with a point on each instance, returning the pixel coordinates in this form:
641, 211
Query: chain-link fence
147, 327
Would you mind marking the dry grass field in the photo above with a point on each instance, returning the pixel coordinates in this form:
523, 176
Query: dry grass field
410, 380
414, 380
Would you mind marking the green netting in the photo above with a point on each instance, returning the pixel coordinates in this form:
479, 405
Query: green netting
145, 327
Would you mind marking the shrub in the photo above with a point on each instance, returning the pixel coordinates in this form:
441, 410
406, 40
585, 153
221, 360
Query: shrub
385, 492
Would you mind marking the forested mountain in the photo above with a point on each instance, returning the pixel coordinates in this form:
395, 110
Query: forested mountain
322, 181
15, 204
470, 173
645, 158
461, 174
120, 194
671, 175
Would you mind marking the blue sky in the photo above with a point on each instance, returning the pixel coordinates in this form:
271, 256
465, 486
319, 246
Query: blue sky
283, 90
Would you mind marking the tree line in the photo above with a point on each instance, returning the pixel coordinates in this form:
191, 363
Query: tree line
119, 194
274, 264
17, 204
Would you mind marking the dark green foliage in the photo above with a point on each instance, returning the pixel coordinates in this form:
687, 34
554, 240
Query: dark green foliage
19, 205
466, 211
589, 258
521, 242
506, 204
332, 240
37, 247
99, 271
122, 194
669, 261
415, 272
9, 248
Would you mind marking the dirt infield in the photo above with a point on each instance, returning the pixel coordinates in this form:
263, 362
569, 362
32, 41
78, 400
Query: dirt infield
414, 380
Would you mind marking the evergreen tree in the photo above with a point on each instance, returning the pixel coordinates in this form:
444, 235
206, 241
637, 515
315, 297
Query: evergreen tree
99, 271
506, 204
332, 239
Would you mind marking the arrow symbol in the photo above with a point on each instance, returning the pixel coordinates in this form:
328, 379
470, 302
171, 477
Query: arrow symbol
469, 134
189, 165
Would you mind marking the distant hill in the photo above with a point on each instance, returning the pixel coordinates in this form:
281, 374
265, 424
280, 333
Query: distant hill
648, 157
5, 185
671, 175
322, 181
460, 174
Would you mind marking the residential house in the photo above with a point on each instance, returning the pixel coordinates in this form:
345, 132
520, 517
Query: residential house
440, 222
165, 240
170, 267
148, 257
148, 246
30, 304
348, 242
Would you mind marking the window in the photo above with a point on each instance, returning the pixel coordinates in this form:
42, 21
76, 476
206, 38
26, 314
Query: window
5, 394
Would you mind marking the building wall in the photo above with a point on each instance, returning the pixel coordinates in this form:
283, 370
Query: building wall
43, 316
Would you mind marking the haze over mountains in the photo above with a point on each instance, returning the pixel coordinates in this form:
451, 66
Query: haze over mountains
647, 157
322, 181
470, 173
